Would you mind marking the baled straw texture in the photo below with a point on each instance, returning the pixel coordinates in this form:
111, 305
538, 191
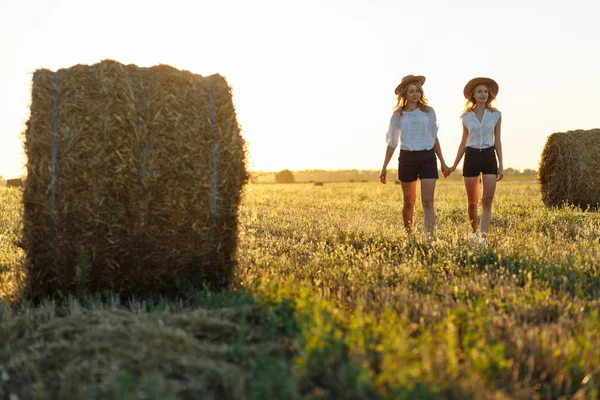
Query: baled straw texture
134, 180
568, 172
165, 355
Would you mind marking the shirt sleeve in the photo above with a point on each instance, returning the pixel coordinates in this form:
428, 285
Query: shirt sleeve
433, 125
394, 131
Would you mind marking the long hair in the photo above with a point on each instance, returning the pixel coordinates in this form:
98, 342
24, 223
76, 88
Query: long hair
402, 101
471, 103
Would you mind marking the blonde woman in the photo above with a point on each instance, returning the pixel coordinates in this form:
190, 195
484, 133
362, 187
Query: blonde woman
414, 125
482, 148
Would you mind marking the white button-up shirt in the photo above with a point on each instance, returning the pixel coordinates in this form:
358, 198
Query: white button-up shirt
417, 130
481, 133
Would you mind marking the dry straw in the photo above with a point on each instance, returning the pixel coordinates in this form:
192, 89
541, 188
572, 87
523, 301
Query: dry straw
569, 168
164, 355
134, 178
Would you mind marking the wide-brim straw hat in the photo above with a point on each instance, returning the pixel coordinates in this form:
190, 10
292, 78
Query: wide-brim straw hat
409, 79
473, 83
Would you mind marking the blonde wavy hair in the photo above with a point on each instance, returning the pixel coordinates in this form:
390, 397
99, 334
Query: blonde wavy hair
471, 102
401, 101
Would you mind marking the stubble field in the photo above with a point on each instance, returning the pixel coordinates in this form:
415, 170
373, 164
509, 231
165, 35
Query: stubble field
333, 300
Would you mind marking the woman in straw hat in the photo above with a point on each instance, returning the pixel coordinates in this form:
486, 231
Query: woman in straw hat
481, 146
414, 123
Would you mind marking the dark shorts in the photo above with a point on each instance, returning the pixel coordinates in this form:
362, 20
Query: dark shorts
480, 161
417, 164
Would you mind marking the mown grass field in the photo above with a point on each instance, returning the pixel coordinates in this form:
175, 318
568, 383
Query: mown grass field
332, 300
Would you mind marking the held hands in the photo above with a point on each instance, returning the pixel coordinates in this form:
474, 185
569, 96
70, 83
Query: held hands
446, 171
383, 176
451, 170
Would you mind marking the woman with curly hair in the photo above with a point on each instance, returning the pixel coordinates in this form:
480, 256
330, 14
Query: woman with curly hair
414, 124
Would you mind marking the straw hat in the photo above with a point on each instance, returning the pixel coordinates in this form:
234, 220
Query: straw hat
473, 83
409, 79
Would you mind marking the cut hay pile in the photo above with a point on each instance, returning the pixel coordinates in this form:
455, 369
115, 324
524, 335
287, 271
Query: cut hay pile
569, 169
133, 182
116, 353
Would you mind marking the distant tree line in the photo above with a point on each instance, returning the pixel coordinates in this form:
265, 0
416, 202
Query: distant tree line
317, 175
513, 172
344, 175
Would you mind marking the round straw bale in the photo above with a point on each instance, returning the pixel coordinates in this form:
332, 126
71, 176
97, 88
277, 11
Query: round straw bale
14, 183
568, 172
134, 180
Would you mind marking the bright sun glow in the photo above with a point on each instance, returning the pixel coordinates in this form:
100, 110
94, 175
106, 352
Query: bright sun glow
312, 80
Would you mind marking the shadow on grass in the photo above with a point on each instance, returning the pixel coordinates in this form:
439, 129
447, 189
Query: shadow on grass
224, 345
210, 345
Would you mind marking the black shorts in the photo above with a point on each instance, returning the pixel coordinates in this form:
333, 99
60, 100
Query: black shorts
417, 164
480, 161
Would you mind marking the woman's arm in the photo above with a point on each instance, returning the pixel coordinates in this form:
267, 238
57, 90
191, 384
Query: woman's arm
461, 147
498, 146
389, 152
437, 149
391, 137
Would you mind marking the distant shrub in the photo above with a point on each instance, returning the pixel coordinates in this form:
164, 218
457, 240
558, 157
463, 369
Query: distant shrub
285, 176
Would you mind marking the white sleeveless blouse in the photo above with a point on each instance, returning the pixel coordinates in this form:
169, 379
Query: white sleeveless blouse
481, 133
416, 129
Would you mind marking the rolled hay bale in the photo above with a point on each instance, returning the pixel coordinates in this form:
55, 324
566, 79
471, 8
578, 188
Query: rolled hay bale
14, 183
568, 172
134, 180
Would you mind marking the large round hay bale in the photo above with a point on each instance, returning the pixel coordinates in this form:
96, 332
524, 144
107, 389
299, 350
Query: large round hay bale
569, 168
134, 178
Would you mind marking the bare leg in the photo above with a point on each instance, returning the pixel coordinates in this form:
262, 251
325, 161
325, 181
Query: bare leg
472, 187
427, 194
409, 192
489, 188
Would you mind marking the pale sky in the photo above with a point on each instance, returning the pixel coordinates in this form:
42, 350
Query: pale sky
313, 81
